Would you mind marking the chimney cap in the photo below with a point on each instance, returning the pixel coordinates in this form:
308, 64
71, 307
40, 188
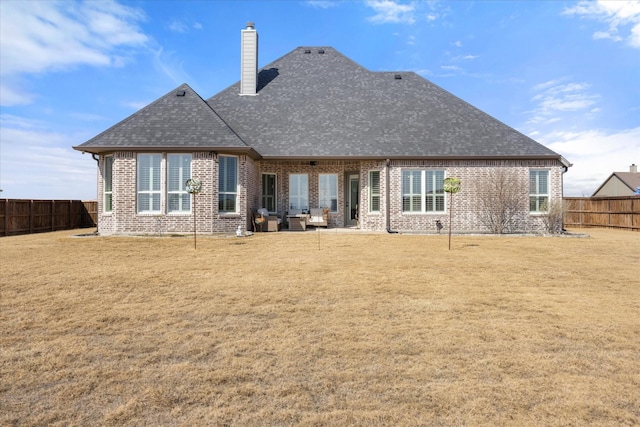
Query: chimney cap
251, 25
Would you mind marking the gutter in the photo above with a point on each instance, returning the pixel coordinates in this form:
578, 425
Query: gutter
387, 196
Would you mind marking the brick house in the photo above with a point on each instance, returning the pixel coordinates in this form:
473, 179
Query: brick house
313, 129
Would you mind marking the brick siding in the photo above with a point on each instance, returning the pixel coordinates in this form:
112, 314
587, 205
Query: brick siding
124, 218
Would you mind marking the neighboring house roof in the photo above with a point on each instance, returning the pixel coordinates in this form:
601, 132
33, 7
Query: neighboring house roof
178, 120
627, 179
323, 105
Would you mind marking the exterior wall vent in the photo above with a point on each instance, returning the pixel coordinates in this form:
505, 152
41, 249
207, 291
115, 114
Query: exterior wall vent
249, 60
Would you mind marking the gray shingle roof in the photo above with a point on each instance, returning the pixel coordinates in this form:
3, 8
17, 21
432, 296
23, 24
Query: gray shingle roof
172, 122
326, 105
313, 105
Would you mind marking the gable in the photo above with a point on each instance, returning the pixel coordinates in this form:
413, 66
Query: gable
178, 120
619, 184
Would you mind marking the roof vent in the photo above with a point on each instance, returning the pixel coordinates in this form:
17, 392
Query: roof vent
398, 77
321, 51
307, 51
180, 93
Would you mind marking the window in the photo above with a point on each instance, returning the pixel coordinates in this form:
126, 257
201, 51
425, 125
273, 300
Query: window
538, 190
108, 183
423, 191
328, 191
374, 191
178, 172
227, 184
269, 192
299, 191
149, 183
435, 191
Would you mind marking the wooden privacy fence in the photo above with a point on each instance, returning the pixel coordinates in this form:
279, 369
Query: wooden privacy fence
18, 216
615, 212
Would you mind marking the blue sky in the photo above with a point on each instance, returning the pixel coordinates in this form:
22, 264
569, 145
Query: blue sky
566, 73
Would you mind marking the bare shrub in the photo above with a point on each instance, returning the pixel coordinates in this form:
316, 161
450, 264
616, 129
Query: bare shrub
554, 218
502, 199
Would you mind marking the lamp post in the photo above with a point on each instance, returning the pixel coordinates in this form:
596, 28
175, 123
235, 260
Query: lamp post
451, 186
193, 187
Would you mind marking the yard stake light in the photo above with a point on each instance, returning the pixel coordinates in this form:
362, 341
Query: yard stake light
451, 186
193, 187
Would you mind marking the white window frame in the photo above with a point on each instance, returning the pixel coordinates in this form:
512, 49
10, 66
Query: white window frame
224, 190
299, 191
153, 191
328, 191
273, 197
374, 194
179, 191
107, 185
538, 200
418, 194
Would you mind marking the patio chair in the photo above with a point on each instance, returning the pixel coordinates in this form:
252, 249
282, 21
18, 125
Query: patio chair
317, 218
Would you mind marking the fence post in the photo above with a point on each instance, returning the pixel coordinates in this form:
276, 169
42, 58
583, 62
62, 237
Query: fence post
30, 216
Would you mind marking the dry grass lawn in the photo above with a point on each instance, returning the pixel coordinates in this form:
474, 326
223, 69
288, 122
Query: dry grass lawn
320, 329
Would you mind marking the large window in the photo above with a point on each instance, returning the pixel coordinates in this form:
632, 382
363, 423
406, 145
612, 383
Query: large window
178, 172
149, 192
227, 184
108, 184
374, 191
269, 192
328, 191
299, 191
423, 191
538, 190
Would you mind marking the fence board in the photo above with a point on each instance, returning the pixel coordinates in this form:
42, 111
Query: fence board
20, 216
613, 212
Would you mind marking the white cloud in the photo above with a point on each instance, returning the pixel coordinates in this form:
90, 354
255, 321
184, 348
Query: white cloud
11, 97
388, 11
555, 98
595, 154
618, 15
37, 37
136, 105
178, 27
322, 4
36, 165
170, 66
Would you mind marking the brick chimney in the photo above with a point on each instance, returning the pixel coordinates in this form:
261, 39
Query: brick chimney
249, 60
633, 168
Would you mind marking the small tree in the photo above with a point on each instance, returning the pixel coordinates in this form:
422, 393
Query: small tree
502, 198
451, 186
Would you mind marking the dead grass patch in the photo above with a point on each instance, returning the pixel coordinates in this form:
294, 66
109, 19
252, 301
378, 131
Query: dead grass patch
320, 329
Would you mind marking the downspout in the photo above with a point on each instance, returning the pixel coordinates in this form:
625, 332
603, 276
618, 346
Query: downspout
387, 202
565, 168
97, 159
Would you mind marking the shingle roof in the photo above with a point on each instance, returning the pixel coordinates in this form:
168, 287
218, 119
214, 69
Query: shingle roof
312, 104
171, 122
322, 105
